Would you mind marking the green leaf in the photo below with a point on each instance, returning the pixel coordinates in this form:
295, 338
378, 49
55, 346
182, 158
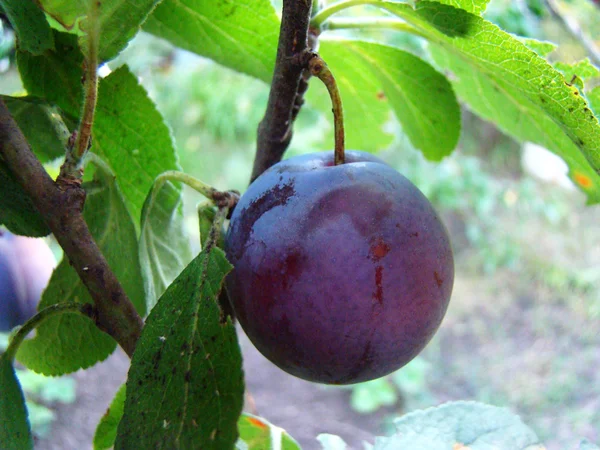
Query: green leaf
535, 88
241, 35
366, 108
473, 6
583, 69
118, 21
185, 386
131, 136
460, 425
500, 102
257, 433
422, 98
15, 432
28, 20
164, 246
106, 431
70, 342
41, 124
56, 74
17, 211
542, 48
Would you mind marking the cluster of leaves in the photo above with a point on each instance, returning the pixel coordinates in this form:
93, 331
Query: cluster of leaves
185, 386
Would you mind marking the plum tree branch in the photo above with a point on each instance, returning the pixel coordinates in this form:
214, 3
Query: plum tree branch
275, 129
61, 207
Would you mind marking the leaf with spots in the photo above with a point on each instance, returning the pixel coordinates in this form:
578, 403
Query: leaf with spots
241, 35
185, 386
256, 434
500, 102
164, 246
421, 97
132, 137
460, 425
537, 94
106, 431
15, 432
32, 28
69, 342
366, 108
17, 211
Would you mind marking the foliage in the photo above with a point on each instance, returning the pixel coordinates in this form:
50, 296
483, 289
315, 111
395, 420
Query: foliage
185, 386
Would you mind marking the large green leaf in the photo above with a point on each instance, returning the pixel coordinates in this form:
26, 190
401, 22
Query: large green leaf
33, 32
366, 108
471, 425
56, 74
185, 386
257, 433
70, 342
41, 124
17, 211
15, 433
536, 87
503, 104
241, 35
106, 431
117, 21
164, 246
132, 137
421, 97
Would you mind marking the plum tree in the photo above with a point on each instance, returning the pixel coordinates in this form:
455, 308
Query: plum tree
343, 273
25, 268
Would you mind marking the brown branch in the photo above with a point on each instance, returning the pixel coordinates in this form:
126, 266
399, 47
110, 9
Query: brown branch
275, 129
62, 209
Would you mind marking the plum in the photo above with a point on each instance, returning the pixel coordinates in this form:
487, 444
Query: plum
342, 273
25, 268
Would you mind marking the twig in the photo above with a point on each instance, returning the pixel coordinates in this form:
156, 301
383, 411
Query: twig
61, 208
573, 27
275, 129
71, 170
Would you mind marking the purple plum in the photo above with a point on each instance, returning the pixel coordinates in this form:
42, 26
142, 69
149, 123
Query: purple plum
342, 274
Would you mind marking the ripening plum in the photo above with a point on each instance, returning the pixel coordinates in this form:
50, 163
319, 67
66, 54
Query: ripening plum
25, 268
342, 274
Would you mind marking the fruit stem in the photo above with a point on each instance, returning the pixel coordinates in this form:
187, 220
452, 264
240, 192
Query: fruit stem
219, 198
215, 229
319, 69
19, 336
325, 13
376, 23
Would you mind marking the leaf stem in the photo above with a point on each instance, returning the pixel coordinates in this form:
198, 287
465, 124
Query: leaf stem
72, 168
219, 198
377, 23
319, 69
325, 13
50, 311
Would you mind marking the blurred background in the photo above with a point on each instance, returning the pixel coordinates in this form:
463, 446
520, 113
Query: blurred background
522, 327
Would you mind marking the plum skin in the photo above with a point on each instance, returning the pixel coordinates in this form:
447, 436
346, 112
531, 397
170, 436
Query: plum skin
342, 274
